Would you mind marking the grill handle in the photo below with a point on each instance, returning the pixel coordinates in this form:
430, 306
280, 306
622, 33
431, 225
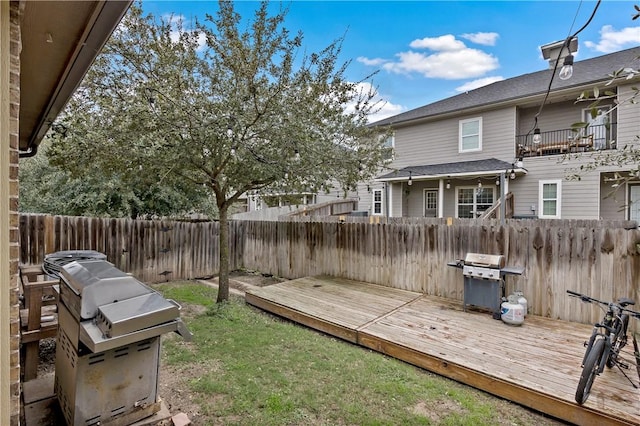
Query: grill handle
182, 330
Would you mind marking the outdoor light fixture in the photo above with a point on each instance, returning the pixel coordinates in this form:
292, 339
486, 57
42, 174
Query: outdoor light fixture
479, 184
448, 184
512, 175
567, 68
520, 162
537, 138
498, 181
410, 182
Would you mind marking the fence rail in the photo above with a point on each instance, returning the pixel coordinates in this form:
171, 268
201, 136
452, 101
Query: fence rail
598, 258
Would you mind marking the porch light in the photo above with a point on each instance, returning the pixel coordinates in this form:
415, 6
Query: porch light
567, 68
479, 184
498, 181
410, 182
512, 175
448, 184
537, 138
520, 162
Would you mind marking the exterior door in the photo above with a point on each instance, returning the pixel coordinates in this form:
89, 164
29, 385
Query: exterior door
634, 202
430, 203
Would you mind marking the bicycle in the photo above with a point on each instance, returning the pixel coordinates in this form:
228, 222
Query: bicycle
607, 340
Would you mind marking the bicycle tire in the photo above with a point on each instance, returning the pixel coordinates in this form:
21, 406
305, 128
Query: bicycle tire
589, 371
619, 339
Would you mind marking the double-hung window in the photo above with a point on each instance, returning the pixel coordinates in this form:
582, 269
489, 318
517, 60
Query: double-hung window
377, 202
550, 198
470, 135
472, 201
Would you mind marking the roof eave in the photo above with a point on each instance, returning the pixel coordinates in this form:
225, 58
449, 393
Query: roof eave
41, 106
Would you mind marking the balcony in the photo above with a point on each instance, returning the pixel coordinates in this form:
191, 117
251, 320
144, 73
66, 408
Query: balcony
558, 142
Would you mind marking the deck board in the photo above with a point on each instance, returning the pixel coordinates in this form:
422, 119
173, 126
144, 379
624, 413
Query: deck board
536, 364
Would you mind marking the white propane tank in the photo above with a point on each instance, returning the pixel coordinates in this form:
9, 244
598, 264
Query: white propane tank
523, 301
512, 312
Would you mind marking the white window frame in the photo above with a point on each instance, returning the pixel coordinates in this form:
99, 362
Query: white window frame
374, 202
391, 138
461, 123
475, 198
558, 199
629, 202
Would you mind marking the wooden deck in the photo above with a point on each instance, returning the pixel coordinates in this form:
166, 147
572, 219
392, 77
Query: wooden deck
536, 365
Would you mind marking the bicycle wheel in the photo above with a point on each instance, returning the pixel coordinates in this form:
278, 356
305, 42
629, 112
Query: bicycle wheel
619, 340
589, 371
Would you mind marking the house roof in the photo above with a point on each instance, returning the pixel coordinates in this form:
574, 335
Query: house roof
488, 167
60, 40
585, 73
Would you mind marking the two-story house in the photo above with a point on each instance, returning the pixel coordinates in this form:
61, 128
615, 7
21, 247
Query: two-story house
457, 157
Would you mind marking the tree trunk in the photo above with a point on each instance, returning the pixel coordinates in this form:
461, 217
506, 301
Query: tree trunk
223, 276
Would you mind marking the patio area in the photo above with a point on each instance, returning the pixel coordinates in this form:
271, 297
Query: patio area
536, 365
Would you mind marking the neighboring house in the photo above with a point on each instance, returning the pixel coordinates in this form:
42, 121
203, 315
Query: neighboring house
45, 49
450, 155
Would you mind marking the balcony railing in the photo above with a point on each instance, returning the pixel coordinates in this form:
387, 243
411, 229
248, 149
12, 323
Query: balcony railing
593, 138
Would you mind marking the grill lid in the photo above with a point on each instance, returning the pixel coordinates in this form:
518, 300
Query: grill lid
496, 261
97, 283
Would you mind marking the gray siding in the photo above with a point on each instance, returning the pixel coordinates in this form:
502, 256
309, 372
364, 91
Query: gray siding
628, 117
437, 142
580, 198
613, 201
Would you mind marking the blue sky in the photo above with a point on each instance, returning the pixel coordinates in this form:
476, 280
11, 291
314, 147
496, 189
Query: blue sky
425, 51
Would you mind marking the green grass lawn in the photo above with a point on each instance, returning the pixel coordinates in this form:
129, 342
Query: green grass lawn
248, 367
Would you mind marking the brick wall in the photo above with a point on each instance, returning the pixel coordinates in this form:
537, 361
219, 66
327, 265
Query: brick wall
14, 235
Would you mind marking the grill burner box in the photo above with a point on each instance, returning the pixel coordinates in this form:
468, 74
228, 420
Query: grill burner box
108, 348
484, 284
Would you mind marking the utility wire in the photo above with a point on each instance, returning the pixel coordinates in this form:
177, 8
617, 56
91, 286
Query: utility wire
555, 67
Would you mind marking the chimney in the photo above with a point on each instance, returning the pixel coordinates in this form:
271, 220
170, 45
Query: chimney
553, 52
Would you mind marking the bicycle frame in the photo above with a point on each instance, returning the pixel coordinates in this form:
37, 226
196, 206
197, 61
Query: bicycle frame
605, 343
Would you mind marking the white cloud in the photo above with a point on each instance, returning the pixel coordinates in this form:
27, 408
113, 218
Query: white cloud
371, 62
446, 42
478, 83
450, 58
179, 23
387, 110
450, 65
612, 40
486, 39
383, 108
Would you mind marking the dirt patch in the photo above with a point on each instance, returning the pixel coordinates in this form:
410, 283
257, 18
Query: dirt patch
437, 410
254, 278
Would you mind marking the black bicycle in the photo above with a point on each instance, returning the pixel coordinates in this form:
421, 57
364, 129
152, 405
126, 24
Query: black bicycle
607, 340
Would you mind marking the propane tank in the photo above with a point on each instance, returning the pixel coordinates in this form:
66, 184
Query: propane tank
512, 312
522, 301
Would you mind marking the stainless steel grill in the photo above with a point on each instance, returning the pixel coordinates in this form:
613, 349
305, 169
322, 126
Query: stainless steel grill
108, 352
484, 280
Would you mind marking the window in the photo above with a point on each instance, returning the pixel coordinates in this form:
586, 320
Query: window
391, 141
377, 202
598, 125
472, 201
634, 202
431, 203
550, 199
389, 145
470, 135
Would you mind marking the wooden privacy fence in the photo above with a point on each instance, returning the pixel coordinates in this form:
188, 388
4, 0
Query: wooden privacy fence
153, 251
598, 258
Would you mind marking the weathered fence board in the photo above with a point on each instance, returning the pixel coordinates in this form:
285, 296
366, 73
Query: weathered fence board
598, 258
